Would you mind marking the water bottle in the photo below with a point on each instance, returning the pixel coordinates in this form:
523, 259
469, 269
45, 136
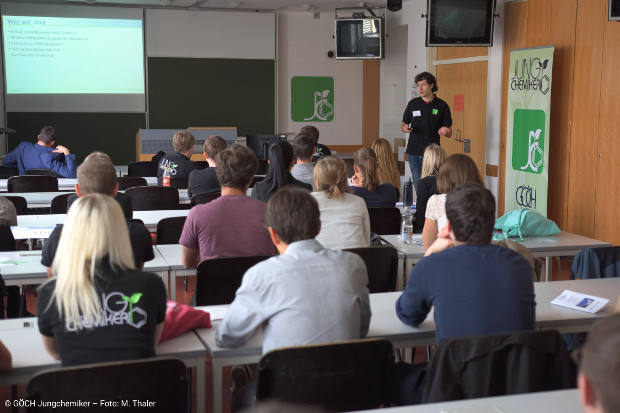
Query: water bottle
406, 229
408, 197
166, 179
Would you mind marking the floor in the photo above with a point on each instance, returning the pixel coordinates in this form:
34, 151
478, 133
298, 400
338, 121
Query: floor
184, 297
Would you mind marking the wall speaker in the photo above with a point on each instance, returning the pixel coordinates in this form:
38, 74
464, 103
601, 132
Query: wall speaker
394, 5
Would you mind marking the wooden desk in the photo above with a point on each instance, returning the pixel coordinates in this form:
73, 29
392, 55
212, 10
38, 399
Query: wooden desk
565, 401
562, 244
68, 184
385, 324
22, 338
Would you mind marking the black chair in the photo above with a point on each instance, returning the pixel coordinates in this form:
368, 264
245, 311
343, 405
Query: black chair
6, 173
218, 279
125, 182
384, 220
497, 365
169, 230
59, 203
179, 183
204, 198
202, 164
20, 203
162, 381
263, 165
32, 183
256, 179
596, 263
142, 168
339, 377
136, 220
148, 198
382, 265
47, 172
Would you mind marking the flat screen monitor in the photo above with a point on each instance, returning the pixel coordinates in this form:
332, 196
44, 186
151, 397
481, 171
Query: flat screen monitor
260, 143
360, 38
460, 23
614, 10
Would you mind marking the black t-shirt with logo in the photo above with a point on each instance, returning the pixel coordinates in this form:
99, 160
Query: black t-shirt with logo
178, 164
426, 119
133, 304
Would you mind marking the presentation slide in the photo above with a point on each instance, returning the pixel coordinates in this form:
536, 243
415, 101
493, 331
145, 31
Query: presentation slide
73, 55
61, 58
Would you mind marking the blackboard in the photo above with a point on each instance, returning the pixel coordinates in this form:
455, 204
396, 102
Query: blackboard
82, 133
194, 92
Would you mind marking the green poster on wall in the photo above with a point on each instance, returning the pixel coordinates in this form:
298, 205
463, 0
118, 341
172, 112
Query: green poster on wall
312, 99
527, 129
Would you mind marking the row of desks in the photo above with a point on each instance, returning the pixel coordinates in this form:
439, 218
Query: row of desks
68, 184
30, 357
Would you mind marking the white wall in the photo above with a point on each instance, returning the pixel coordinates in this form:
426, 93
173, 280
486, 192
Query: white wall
303, 43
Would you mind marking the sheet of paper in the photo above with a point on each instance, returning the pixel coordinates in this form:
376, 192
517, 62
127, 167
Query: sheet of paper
482, 409
581, 302
216, 312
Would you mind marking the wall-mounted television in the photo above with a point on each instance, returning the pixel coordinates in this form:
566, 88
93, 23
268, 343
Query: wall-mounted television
260, 143
460, 23
614, 10
360, 38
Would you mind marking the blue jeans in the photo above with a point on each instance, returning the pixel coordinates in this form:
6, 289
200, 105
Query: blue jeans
415, 164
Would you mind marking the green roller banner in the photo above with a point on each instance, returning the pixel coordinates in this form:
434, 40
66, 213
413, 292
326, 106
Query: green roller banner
527, 132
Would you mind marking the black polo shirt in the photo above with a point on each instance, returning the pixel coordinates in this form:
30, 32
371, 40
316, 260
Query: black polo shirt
426, 119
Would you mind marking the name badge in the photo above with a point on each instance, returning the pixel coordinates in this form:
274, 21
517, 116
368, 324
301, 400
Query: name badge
416, 113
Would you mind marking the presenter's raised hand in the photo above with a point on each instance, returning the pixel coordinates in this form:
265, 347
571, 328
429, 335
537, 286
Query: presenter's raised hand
61, 149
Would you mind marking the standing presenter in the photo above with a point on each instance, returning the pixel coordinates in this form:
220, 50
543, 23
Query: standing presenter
426, 119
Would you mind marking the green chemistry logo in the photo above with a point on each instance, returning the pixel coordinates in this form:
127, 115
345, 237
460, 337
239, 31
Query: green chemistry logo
312, 99
132, 300
528, 141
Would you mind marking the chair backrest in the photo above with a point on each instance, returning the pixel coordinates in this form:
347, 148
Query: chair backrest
384, 220
125, 182
499, 364
142, 168
339, 377
218, 279
20, 203
256, 179
179, 182
32, 183
6, 173
47, 172
169, 230
596, 263
7, 242
382, 265
204, 198
59, 203
263, 165
148, 198
162, 381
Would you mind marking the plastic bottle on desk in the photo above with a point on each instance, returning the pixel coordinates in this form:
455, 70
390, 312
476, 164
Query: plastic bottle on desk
406, 229
166, 178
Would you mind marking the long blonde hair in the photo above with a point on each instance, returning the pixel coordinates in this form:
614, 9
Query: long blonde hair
366, 161
331, 172
434, 156
94, 233
388, 170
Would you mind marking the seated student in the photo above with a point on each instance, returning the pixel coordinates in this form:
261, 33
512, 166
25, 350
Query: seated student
279, 172
231, 225
98, 176
434, 157
344, 216
366, 183
98, 307
178, 163
474, 287
467, 279
123, 200
387, 168
306, 295
9, 295
303, 147
42, 155
458, 169
202, 181
599, 369
321, 150
6, 361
